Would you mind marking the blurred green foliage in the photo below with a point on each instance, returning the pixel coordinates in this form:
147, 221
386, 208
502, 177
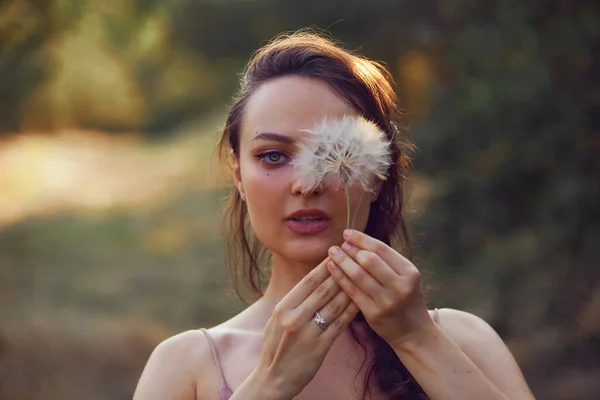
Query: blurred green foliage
502, 99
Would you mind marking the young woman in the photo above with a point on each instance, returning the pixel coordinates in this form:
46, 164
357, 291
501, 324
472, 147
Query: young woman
343, 316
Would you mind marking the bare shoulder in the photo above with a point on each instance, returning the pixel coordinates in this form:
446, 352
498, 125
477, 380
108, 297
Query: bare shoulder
176, 369
472, 333
184, 346
465, 328
480, 342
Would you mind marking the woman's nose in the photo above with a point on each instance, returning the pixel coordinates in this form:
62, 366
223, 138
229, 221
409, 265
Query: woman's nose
300, 188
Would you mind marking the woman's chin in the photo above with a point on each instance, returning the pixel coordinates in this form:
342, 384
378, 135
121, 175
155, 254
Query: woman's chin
308, 252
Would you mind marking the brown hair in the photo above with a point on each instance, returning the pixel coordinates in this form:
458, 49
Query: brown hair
367, 86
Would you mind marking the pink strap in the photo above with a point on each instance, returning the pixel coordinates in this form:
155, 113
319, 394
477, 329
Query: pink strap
213, 349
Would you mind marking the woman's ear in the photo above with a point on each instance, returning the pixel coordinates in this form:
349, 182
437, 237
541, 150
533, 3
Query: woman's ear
237, 176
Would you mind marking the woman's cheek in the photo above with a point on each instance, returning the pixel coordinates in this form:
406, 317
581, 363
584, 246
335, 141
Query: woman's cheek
265, 190
265, 182
266, 193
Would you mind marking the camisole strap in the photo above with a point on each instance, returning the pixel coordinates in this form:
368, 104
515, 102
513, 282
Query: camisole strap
215, 354
436, 316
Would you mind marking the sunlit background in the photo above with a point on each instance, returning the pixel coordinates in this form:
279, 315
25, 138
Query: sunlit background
110, 193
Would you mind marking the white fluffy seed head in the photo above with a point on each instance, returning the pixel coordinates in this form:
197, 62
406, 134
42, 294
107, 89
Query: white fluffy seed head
350, 149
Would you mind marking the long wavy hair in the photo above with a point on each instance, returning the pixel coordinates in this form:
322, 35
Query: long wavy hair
369, 88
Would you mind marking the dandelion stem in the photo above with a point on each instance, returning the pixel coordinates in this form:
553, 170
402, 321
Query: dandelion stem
345, 175
348, 205
357, 207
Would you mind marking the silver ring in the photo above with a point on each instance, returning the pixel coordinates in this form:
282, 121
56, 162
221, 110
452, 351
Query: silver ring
320, 320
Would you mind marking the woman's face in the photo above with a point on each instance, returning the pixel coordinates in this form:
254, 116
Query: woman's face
295, 226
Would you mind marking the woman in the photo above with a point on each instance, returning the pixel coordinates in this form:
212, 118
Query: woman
343, 316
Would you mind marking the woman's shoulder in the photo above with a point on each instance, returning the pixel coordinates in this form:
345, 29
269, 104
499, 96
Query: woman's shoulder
198, 344
176, 366
191, 362
480, 342
184, 350
185, 346
476, 338
463, 326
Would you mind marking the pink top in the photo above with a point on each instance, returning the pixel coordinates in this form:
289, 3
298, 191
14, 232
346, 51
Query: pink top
224, 391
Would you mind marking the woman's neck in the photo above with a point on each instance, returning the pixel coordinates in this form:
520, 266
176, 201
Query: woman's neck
285, 274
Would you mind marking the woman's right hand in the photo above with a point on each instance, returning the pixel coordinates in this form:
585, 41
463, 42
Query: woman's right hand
294, 345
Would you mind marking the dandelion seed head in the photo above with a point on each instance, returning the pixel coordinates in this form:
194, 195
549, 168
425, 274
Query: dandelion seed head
349, 149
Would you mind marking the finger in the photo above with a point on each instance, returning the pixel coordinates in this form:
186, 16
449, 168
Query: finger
340, 323
359, 297
322, 295
359, 276
334, 308
305, 287
372, 263
391, 257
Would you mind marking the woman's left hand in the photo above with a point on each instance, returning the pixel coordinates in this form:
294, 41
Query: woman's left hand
384, 285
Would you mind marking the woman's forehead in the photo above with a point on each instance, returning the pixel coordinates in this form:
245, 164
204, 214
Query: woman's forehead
289, 104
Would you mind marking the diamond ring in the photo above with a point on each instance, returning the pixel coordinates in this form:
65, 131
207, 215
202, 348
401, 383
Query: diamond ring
320, 320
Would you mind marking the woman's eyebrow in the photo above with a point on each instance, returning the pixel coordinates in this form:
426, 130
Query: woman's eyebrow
274, 137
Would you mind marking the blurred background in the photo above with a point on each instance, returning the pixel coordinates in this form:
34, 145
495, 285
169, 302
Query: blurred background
110, 194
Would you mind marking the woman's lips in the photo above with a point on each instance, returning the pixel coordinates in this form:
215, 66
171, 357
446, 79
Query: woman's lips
309, 226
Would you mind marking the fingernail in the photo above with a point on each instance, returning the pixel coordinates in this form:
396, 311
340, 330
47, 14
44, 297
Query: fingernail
348, 232
333, 250
331, 266
346, 246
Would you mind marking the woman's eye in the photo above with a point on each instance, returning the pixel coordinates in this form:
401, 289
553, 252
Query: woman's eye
272, 157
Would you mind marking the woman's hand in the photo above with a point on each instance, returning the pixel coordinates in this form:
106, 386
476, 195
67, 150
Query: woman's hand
384, 285
294, 345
